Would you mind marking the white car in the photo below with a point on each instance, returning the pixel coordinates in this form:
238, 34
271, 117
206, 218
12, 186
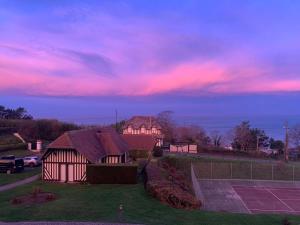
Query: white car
32, 161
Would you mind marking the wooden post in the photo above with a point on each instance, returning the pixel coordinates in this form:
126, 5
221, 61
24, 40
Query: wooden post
286, 145
293, 173
211, 170
231, 169
251, 168
272, 172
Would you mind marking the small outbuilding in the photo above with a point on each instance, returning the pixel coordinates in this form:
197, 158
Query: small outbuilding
67, 157
183, 147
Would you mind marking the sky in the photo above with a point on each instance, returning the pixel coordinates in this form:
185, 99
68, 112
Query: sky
194, 56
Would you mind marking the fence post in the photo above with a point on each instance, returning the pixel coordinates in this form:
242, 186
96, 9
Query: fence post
272, 171
294, 173
251, 168
231, 170
211, 170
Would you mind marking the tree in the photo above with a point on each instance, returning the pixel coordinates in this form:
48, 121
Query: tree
242, 136
165, 120
119, 126
259, 139
276, 145
295, 135
247, 138
15, 114
216, 138
194, 134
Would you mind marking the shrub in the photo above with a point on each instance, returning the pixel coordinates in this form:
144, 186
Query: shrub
170, 187
16, 201
158, 152
139, 154
50, 197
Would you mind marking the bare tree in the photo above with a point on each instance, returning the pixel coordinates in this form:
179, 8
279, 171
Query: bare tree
165, 119
242, 136
216, 138
193, 133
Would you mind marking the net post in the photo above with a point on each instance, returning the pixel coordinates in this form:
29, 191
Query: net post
251, 170
293, 172
231, 170
211, 170
272, 171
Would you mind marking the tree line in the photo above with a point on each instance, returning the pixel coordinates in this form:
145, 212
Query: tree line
242, 137
14, 114
18, 120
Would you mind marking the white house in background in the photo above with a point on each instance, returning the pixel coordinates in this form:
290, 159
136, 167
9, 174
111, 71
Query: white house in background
144, 125
183, 148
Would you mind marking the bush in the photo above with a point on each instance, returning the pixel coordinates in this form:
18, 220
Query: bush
139, 154
158, 152
111, 174
170, 187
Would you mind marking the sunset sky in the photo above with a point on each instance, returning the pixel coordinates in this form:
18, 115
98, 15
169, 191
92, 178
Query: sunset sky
99, 55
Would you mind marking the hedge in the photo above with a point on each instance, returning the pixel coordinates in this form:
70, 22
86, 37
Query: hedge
111, 174
4, 148
139, 154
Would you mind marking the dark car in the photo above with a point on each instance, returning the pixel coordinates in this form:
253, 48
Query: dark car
11, 164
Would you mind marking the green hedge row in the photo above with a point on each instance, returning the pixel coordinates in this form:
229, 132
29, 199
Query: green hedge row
139, 154
111, 174
4, 148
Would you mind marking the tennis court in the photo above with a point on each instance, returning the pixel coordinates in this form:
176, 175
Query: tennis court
249, 196
268, 199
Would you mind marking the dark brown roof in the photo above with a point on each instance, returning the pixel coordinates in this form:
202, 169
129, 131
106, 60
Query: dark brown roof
140, 142
138, 121
92, 143
63, 141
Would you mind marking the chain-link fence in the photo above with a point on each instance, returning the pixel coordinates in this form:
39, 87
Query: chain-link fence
246, 170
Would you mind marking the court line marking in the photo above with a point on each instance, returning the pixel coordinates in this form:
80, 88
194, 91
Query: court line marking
270, 188
280, 200
275, 210
244, 204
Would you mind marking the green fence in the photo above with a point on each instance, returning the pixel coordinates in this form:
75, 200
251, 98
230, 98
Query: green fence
246, 170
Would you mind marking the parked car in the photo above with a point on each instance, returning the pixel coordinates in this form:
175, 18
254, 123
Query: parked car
32, 161
10, 164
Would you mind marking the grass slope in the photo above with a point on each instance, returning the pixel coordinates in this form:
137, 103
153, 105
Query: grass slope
17, 153
101, 202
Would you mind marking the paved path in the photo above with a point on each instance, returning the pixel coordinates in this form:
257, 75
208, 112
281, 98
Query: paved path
19, 183
221, 197
63, 223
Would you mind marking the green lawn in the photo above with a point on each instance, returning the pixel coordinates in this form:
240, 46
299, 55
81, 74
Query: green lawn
101, 202
10, 178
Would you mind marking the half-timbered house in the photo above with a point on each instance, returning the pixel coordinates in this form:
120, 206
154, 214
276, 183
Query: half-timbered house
66, 158
144, 125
